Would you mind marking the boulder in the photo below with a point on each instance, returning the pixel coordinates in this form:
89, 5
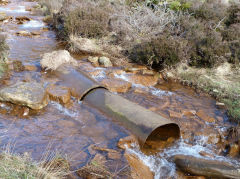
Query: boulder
29, 94
140, 170
117, 85
55, 59
93, 60
105, 61
84, 45
206, 167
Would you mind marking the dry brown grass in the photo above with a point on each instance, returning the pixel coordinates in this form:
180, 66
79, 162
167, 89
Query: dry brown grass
22, 166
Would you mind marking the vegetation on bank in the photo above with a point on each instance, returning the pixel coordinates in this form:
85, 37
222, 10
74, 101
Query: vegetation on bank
3, 55
188, 39
22, 166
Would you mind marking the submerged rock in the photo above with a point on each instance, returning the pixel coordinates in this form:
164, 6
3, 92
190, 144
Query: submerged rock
29, 94
117, 85
126, 142
145, 80
206, 167
140, 170
55, 59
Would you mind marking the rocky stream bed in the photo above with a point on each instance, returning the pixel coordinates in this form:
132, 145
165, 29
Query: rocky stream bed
40, 115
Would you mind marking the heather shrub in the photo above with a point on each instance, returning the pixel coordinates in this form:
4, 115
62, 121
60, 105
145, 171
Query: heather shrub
208, 50
233, 14
158, 53
88, 19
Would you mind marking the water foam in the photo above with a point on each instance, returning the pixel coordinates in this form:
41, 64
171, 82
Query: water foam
161, 163
33, 24
64, 110
154, 91
20, 9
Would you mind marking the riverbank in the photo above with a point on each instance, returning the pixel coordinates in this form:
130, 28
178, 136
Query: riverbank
185, 39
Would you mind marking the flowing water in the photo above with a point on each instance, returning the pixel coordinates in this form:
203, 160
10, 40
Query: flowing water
73, 128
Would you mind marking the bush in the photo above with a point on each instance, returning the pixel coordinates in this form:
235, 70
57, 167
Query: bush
158, 53
208, 50
233, 14
88, 20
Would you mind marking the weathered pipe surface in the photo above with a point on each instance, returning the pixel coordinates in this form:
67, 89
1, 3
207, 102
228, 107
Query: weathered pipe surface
79, 82
142, 123
206, 167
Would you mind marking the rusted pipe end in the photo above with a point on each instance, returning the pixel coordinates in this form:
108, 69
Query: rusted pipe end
166, 133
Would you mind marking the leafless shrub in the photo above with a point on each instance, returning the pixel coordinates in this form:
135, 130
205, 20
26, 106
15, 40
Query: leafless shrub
141, 22
53, 5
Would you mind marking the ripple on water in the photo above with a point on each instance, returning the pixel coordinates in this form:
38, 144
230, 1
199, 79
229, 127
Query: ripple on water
64, 110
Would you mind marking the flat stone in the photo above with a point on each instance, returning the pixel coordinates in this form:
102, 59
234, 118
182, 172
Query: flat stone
59, 93
145, 80
189, 113
29, 94
117, 85
148, 72
23, 33
35, 33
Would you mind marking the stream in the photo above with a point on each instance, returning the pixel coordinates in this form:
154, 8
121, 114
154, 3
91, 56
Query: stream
73, 128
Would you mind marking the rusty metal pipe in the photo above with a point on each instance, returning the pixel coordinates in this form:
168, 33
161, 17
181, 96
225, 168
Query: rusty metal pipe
143, 123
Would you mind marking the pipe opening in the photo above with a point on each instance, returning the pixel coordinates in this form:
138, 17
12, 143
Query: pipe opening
90, 90
162, 137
